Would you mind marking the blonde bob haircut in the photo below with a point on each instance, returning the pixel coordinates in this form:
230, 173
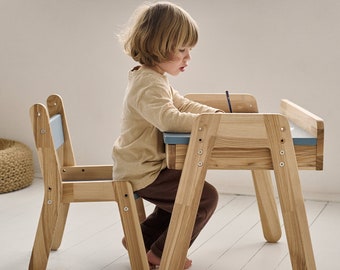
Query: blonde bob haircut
157, 31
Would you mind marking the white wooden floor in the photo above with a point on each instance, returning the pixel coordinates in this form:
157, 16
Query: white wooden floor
232, 239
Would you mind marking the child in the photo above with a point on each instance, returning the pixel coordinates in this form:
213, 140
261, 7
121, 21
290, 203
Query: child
160, 39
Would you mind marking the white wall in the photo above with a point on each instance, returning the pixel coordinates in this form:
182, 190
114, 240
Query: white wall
272, 49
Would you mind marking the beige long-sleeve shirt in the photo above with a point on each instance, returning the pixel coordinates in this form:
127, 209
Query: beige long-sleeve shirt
151, 106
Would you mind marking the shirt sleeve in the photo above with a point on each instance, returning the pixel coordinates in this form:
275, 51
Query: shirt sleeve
167, 110
186, 105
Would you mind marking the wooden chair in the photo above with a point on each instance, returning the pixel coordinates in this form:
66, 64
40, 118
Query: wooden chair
65, 182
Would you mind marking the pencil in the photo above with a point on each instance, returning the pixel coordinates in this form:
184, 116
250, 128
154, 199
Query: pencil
228, 100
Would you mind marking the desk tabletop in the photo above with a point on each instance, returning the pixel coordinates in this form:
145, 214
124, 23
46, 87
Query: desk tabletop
300, 137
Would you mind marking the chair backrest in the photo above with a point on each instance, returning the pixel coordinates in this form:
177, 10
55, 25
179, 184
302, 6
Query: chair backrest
240, 103
55, 106
57, 131
52, 138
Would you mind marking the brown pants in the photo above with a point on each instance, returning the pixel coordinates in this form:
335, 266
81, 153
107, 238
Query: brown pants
162, 193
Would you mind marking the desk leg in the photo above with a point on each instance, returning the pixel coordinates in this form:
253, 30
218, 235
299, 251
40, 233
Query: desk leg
182, 221
290, 194
189, 192
295, 221
267, 205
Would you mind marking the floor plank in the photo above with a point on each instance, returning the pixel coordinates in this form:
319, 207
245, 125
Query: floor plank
232, 239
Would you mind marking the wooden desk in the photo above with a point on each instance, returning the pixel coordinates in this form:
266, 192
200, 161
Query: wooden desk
305, 145
248, 141
307, 132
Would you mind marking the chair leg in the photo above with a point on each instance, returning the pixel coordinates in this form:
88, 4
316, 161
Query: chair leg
130, 222
60, 227
267, 206
44, 236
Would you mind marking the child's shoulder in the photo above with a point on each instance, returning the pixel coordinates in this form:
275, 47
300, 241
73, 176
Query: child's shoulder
145, 73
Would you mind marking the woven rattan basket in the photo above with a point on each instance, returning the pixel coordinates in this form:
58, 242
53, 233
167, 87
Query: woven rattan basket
16, 165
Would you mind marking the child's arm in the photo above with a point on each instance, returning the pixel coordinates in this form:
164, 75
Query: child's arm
169, 111
186, 105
